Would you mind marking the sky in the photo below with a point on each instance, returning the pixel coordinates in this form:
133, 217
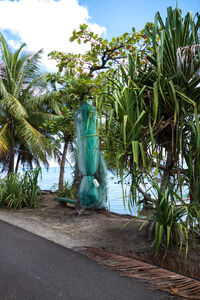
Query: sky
48, 24
121, 15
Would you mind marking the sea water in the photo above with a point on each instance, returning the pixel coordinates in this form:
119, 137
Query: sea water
116, 202
118, 199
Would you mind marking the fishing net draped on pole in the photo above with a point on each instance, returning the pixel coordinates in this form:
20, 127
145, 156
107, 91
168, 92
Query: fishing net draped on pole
92, 193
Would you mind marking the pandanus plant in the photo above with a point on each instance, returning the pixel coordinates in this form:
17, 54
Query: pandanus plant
175, 81
154, 110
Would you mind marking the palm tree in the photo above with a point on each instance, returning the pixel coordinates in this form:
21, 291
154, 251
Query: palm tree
24, 105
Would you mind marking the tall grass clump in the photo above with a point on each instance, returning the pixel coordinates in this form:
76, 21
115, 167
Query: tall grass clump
67, 191
168, 220
20, 191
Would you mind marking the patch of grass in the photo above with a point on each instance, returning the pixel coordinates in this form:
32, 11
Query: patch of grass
19, 191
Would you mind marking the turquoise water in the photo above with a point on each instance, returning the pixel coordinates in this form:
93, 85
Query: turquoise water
50, 177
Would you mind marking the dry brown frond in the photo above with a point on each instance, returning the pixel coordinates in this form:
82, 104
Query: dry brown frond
160, 278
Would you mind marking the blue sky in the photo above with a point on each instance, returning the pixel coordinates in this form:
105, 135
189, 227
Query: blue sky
48, 24
121, 15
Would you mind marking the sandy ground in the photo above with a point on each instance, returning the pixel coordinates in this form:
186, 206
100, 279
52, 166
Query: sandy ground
65, 226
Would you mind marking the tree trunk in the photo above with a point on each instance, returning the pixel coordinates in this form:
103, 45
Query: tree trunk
11, 158
62, 166
77, 182
17, 164
192, 187
166, 173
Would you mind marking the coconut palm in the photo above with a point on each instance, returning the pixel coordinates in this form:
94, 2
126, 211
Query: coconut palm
24, 105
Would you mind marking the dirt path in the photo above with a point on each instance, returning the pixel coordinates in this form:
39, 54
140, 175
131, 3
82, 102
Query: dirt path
65, 226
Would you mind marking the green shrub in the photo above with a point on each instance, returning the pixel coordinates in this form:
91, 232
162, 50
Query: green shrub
168, 220
19, 191
68, 191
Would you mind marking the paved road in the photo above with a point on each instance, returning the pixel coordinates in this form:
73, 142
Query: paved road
32, 268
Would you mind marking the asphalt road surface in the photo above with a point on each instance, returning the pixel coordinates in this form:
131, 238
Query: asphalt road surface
32, 268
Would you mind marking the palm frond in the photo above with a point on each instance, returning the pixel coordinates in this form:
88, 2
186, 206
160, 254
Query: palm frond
34, 141
7, 56
45, 102
11, 104
37, 119
133, 267
3, 141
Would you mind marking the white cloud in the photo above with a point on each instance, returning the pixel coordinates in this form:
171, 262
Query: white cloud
46, 24
13, 43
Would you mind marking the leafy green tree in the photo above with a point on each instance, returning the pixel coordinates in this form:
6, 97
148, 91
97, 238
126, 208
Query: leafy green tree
24, 105
86, 74
103, 56
69, 97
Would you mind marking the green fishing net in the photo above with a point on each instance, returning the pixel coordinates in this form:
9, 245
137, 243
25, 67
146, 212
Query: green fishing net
93, 192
